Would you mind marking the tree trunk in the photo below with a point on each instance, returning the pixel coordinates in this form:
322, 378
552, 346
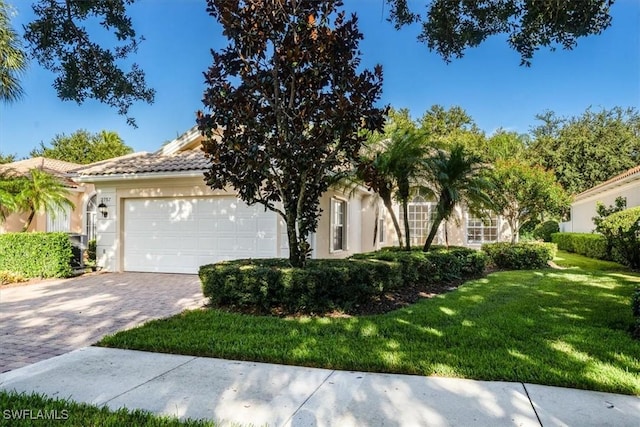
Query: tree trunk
29, 219
297, 258
407, 232
375, 225
432, 233
515, 230
386, 199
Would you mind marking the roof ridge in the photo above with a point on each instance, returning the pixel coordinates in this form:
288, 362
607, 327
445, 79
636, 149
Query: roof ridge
619, 177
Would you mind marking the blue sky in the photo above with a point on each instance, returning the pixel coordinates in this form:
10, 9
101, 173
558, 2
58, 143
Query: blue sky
602, 72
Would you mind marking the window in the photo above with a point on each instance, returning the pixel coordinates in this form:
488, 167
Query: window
482, 230
421, 214
60, 220
90, 217
338, 225
381, 230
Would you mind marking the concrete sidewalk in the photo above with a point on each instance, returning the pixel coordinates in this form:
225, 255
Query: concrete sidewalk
277, 395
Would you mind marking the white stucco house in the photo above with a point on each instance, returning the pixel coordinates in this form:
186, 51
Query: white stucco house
583, 208
156, 214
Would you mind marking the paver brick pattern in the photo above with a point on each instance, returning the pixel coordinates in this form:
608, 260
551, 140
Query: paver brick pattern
44, 320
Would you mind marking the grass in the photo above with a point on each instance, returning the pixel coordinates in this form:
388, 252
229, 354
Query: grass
566, 327
19, 409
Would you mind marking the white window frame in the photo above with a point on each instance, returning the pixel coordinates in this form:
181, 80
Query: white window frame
91, 216
415, 216
382, 230
335, 201
482, 226
60, 222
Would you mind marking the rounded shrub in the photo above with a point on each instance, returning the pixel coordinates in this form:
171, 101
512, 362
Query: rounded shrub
622, 230
520, 256
543, 231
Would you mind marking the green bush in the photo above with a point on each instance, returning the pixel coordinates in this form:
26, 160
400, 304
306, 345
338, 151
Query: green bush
587, 244
91, 251
623, 231
36, 254
439, 264
543, 231
273, 285
520, 256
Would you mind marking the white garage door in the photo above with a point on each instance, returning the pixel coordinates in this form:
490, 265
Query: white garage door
180, 235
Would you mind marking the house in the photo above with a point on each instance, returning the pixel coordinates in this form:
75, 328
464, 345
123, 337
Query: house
583, 208
79, 220
156, 214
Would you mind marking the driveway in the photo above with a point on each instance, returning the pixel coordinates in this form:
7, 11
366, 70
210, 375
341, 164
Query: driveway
54, 317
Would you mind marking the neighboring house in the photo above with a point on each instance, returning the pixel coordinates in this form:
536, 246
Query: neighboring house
80, 220
583, 208
160, 216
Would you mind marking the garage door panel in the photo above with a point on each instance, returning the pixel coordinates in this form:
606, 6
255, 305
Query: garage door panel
180, 235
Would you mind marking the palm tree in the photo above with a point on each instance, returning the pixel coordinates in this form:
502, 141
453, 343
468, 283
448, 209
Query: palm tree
13, 61
455, 177
40, 192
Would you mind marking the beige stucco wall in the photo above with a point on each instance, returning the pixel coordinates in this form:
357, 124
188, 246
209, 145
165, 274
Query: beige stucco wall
584, 209
78, 197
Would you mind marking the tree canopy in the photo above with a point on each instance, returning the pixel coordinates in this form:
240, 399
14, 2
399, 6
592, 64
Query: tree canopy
83, 147
586, 150
286, 105
449, 27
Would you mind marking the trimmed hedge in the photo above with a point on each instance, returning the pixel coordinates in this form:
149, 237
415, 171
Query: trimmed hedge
520, 256
36, 254
587, 244
272, 285
265, 285
623, 231
545, 230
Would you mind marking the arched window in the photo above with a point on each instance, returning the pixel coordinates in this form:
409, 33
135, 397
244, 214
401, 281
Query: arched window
90, 217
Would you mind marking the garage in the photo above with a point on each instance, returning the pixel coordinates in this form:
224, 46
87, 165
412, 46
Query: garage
178, 235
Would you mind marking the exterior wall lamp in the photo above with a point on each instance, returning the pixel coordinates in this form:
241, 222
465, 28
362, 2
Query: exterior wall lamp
102, 208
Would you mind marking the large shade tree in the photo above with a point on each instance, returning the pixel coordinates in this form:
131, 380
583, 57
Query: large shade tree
521, 192
83, 147
449, 27
286, 105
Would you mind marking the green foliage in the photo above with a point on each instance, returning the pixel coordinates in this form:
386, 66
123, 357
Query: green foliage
437, 265
587, 244
273, 285
602, 212
13, 60
449, 27
589, 149
294, 103
7, 277
7, 158
455, 176
622, 230
36, 254
544, 230
91, 252
83, 147
635, 309
86, 69
520, 256
521, 192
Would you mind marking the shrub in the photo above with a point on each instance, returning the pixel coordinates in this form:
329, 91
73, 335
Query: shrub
439, 264
543, 231
623, 231
36, 254
635, 307
587, 244
7, 277
272, 284
91, 252
520, 256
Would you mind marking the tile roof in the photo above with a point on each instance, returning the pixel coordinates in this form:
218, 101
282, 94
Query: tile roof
191, 160
604, 185
53, 167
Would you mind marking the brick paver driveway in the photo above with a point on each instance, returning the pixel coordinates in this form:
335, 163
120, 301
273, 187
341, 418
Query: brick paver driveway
43, 320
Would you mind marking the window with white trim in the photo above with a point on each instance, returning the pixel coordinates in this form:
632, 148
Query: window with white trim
381, 230
91, 217
60, 220
338, 225
421, 214
482, 230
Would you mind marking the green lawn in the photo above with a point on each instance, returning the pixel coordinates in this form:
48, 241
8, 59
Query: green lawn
565, 327
18, 409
